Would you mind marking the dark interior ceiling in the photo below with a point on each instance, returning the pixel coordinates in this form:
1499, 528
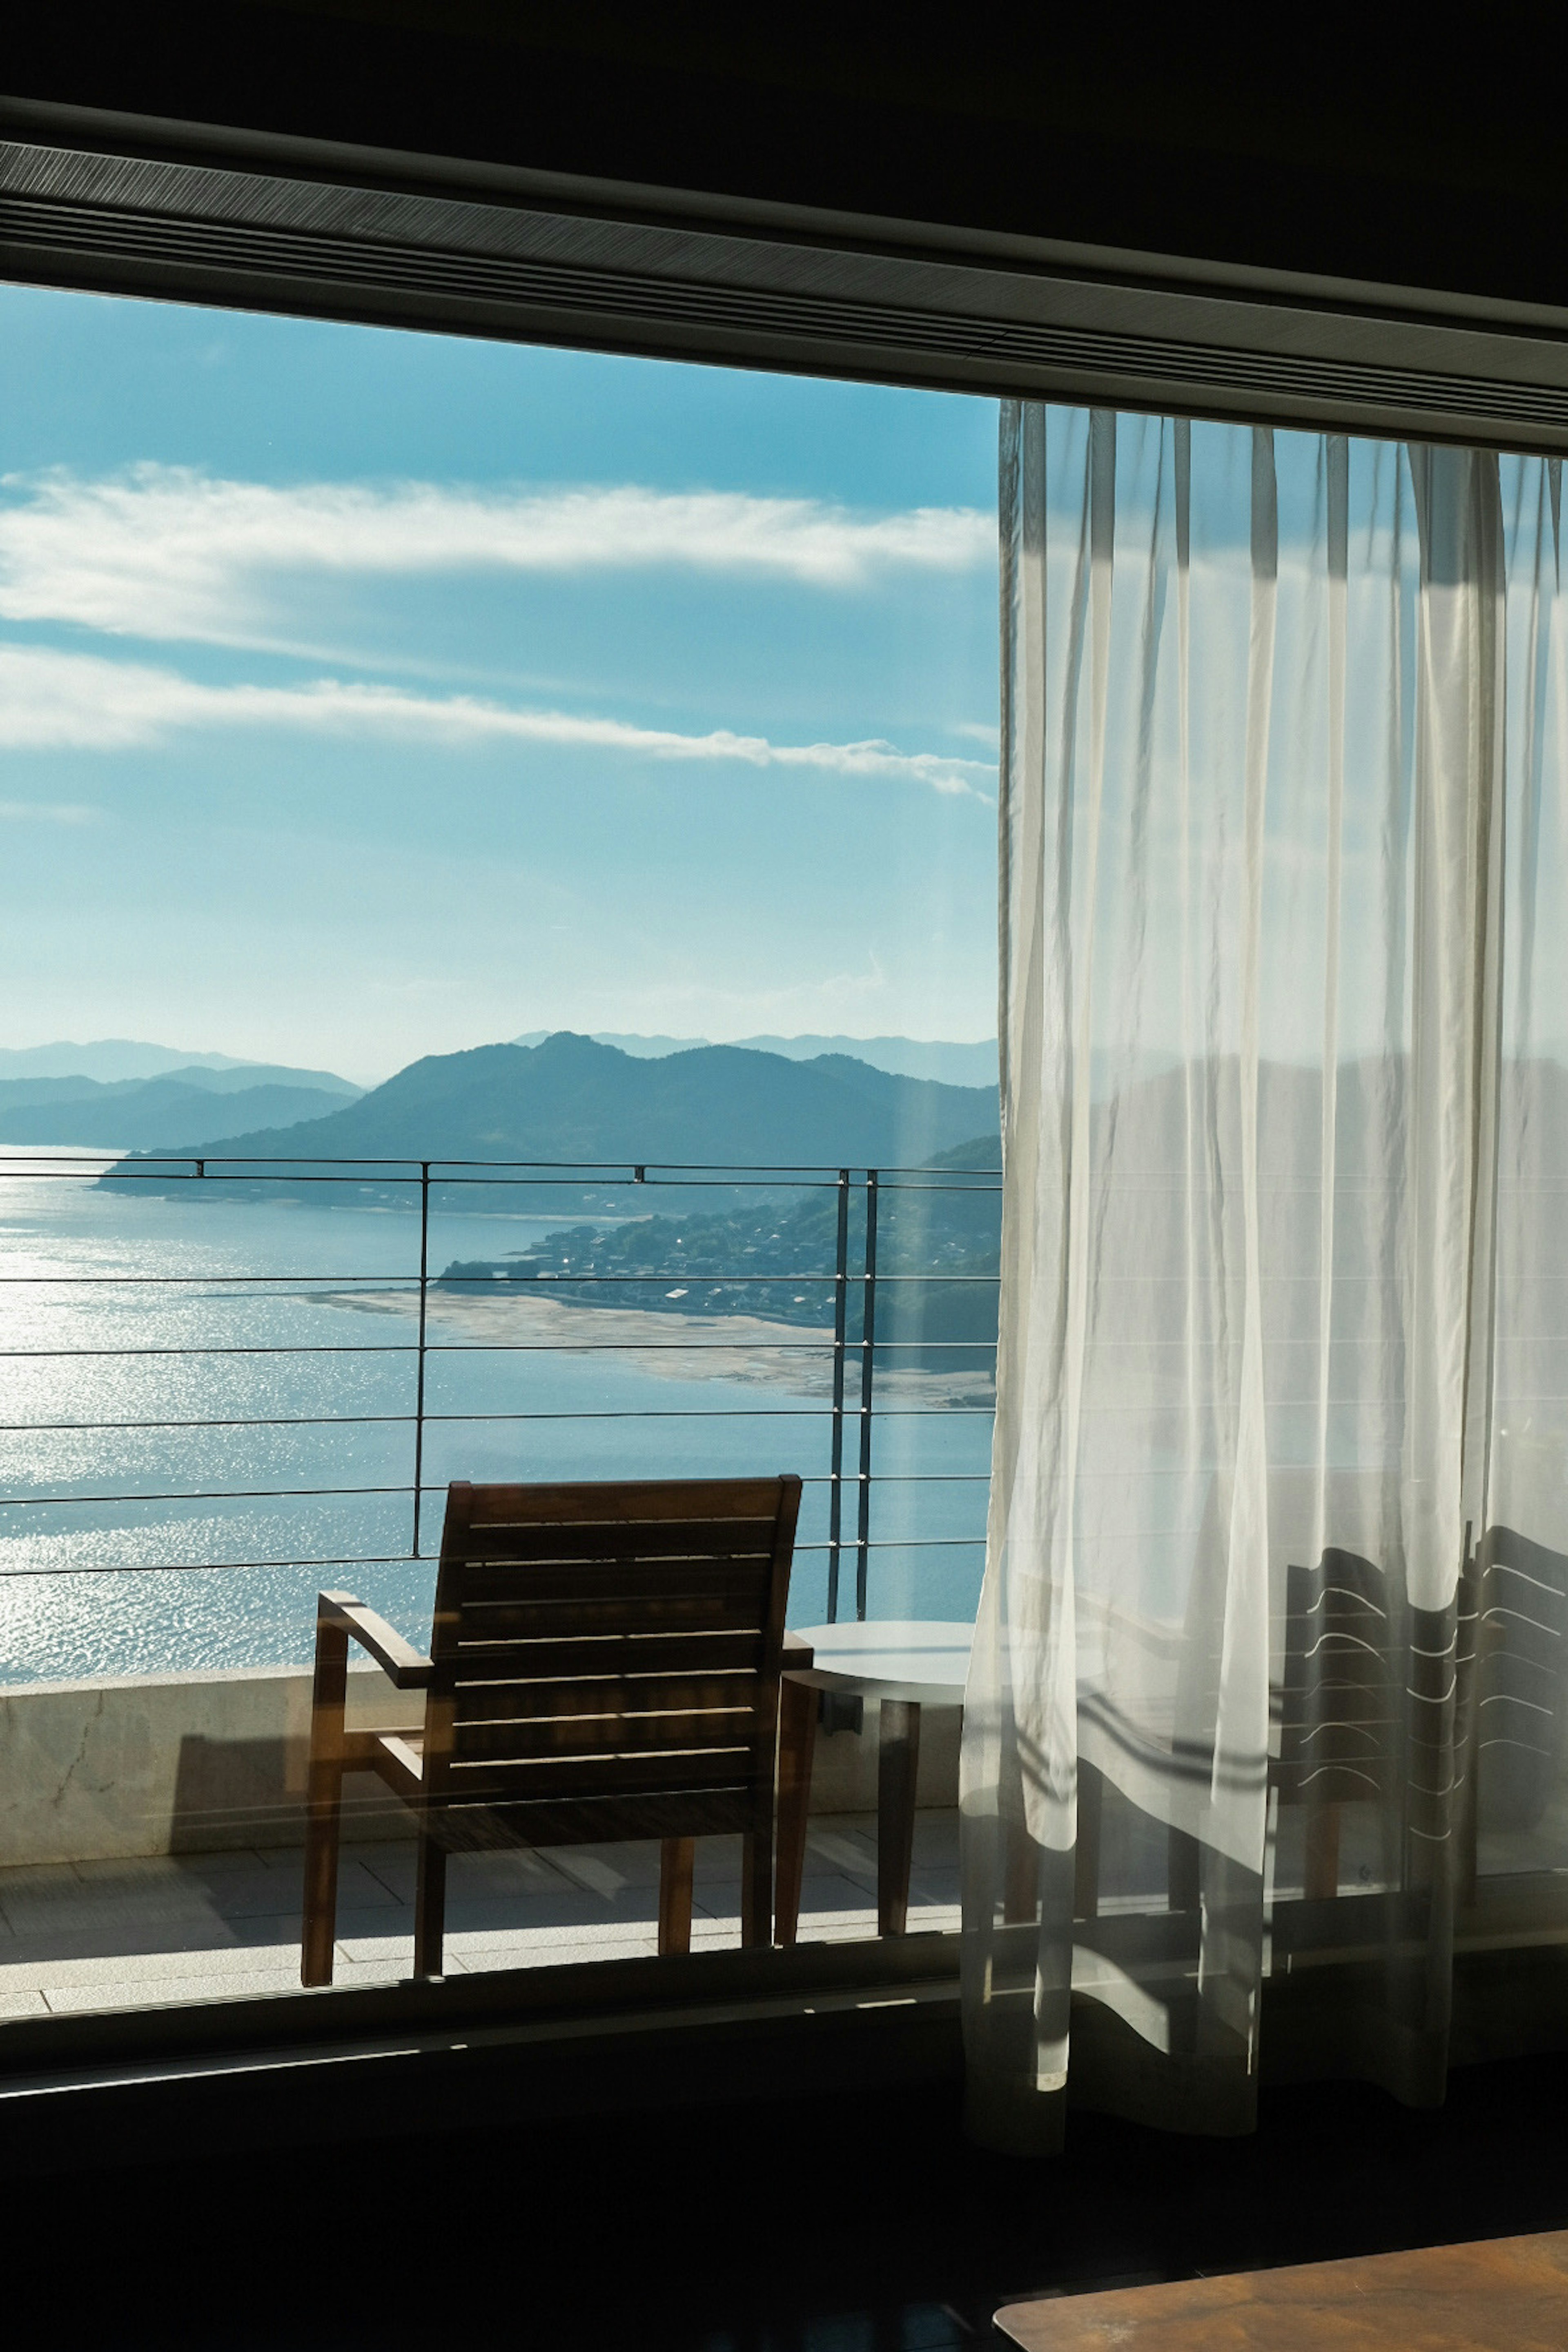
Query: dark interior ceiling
1331, 146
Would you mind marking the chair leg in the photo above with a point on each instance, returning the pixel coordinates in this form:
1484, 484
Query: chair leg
1322, 1872
323, 1803
898, 1766
430, 1907
756, 1888
797, 1738
676, 1860
321, 1907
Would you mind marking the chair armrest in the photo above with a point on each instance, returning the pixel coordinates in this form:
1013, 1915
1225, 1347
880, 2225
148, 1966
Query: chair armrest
406, 1667
797, 1655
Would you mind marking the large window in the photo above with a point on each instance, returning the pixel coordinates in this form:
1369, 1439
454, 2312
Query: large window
422, 756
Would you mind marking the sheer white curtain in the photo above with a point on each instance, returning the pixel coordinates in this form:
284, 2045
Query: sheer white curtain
1283, 1098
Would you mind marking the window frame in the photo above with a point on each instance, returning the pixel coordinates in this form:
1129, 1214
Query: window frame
120, 205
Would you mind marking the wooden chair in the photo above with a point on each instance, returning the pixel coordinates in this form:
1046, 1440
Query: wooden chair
604, 1665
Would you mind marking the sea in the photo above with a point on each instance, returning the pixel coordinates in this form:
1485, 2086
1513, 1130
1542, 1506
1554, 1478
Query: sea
207, 1414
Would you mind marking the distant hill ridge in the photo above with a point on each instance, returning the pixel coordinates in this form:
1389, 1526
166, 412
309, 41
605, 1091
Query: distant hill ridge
570, 1099
132, 1114
954, 1063
116, 1060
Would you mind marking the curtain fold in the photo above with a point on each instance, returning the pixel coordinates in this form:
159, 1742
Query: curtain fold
1278, 1113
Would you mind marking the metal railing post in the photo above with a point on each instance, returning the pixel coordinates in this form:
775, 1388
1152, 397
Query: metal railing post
835, 1467
868, 1359
420, 1382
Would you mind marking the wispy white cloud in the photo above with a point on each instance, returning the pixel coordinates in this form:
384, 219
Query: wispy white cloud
51, 701
46, 813
164, 551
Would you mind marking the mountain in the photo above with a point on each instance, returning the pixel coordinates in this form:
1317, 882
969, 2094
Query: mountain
135, 1113
909, 1057
111, 1060
572, 1100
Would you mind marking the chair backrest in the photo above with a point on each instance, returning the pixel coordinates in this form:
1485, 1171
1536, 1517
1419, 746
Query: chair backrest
606, 1660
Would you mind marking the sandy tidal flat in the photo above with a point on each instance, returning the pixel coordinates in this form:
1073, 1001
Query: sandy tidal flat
742, 1348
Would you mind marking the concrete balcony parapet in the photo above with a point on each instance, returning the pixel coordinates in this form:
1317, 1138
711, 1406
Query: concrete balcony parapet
134, 1766
173, 1763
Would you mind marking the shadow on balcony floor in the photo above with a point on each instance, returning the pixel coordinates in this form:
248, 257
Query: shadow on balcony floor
108, 1935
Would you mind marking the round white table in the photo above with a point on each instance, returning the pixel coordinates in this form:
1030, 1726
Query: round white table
903, 1664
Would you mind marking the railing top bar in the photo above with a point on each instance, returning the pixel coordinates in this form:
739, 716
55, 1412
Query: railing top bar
640, 1173
367, 1173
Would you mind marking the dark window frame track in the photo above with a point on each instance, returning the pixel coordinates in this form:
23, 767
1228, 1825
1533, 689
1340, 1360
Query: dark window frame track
256, 221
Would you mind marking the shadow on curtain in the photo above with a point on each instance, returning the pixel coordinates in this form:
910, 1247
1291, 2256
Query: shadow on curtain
1265, 1723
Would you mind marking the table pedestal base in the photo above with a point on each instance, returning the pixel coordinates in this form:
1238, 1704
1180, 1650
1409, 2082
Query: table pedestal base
897, 1769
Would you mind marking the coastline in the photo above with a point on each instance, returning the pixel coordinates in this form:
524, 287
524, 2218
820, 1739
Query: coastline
745, 1349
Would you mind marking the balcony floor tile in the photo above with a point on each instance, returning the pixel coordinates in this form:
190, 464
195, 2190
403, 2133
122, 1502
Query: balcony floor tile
183, 1927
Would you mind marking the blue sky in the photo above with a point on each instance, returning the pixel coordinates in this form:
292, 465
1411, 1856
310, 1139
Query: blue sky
365, 695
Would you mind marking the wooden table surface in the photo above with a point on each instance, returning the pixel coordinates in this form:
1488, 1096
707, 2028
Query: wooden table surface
1498, 2295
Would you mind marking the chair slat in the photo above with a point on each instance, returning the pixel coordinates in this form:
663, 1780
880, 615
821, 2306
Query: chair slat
586, 1820
680, 1649
520, 1584
511, 1702
545, 1621
614, 1732
652, 1499
710, 1538
481, 1779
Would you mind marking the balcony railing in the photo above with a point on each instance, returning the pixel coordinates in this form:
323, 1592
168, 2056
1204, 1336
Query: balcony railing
891, 1314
